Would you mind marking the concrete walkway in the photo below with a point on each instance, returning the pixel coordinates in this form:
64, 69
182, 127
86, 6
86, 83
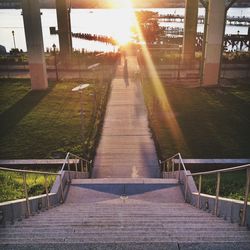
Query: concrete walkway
126, 147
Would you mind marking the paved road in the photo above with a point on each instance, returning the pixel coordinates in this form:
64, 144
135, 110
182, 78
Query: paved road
126, 147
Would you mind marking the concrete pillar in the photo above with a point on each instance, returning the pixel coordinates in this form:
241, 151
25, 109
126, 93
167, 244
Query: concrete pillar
64, 29
214, 40
190, 30
34, 41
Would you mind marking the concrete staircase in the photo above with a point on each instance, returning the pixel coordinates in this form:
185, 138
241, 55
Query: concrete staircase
124, 214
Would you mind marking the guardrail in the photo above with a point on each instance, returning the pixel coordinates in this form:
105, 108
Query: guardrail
83, 164
218, 172
169, 167
45, 174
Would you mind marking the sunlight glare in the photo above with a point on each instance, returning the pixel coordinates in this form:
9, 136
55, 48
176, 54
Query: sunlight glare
125, 22
160, 94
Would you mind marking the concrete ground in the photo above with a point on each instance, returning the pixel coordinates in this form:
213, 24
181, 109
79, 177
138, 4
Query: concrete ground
126, 147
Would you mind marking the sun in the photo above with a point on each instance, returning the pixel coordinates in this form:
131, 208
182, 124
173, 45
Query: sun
125, 21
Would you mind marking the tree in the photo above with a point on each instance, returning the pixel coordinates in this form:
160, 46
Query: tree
149, 26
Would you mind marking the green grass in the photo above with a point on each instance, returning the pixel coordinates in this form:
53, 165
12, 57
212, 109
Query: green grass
11, 185
232, 185
44, 124
202, 123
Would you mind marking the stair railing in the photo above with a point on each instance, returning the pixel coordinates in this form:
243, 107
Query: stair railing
218, 172
25, 189
169, 167
85, 165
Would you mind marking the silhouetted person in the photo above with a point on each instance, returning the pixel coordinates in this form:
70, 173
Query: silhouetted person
125, 73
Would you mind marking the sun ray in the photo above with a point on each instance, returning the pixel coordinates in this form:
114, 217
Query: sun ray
123, 37
160, 94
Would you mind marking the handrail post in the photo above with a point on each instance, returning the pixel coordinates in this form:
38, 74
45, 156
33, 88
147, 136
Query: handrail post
186, 187
243, 220
61, 187
168, 168
199, 192
172, 163
81, 162
26, 194
217, 194
68, 163
179, 171
75, 161
46, 190
86, 166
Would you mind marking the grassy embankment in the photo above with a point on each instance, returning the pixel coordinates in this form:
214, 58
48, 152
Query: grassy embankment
46, 124
202, 123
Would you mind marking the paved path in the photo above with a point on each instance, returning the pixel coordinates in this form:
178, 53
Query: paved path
126, 148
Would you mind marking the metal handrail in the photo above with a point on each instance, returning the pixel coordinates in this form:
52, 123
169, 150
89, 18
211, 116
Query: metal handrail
218, 180
27, 171
66, 161
223, 170
170, 162
46, 174
170, 159
218, 172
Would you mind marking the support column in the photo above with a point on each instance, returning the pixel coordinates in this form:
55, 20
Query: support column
64, 29
34, 42
190, 30
214, 40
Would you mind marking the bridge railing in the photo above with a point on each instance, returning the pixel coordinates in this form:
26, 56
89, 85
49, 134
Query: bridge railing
175, 165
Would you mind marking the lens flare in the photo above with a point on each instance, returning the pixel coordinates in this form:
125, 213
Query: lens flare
125, 21
124, 36
160, 94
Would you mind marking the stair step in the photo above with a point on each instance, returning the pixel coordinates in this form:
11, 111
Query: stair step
131, 238
125, 181
71, 229
126, 234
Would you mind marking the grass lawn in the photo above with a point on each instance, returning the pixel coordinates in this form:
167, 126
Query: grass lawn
11, 185
202, 123
46, 124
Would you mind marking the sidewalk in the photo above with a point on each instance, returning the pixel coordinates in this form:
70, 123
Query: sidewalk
126, 147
